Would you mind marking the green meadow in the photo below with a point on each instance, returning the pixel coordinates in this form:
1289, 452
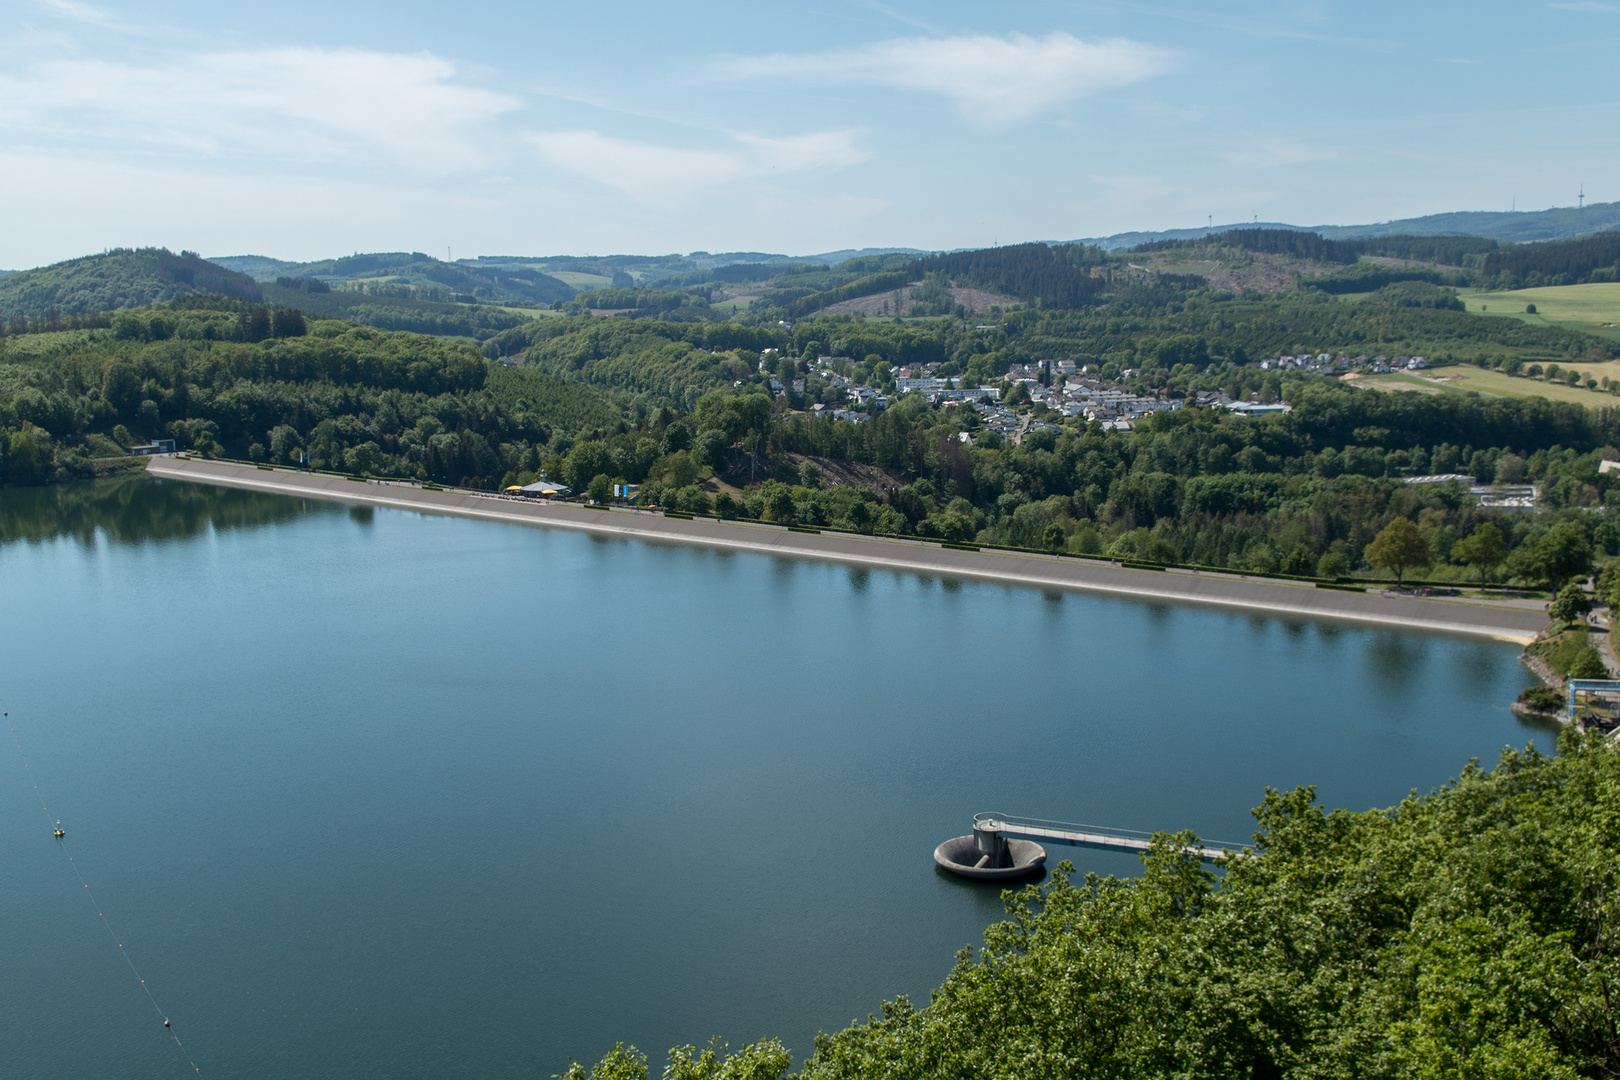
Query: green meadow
1593, 309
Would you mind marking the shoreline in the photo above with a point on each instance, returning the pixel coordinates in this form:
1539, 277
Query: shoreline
1477, 618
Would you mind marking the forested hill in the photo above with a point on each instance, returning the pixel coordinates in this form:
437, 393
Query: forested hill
267, 383
1522, 226
120, 278
412, 275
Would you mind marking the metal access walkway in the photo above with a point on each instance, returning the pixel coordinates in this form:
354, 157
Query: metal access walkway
1092, 836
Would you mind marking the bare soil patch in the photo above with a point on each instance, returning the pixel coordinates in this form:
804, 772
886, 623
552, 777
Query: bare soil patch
1236, 270
899, 302
836, 473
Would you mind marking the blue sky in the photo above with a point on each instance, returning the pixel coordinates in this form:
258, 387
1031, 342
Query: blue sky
303, 130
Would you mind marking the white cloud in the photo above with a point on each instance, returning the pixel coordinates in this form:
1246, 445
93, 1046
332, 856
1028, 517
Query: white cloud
652, 173
295, 104
991, 79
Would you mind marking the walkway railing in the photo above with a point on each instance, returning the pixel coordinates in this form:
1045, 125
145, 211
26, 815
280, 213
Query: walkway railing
1093, 836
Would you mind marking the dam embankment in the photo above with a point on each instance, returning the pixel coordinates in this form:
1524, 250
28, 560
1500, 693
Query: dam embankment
1504, 620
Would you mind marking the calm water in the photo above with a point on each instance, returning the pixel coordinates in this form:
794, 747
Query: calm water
383, 795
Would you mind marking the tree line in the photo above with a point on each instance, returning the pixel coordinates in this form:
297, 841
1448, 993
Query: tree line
1562, 262
1292, 242
340, 396
1308, 493
1062, 276
679, 406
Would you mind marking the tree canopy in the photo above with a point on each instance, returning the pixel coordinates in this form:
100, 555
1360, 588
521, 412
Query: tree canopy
1464, 933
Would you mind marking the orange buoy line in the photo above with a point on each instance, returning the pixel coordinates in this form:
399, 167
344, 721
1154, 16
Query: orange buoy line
61, 835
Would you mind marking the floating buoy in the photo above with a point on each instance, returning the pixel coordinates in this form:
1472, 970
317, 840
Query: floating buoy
60, 834
165, 1023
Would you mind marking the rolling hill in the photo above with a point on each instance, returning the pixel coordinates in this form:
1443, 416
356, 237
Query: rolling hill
412, 275
1523, 226
119, 278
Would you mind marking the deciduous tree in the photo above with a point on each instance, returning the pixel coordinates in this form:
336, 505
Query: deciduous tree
1399, 547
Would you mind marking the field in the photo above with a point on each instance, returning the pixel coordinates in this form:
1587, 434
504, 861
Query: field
1594, 309
581, 281
1464, 378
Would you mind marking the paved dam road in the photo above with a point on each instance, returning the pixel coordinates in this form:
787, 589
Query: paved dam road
1504, 620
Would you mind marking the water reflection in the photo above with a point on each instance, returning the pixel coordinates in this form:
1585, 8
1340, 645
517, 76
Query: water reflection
140, 509
1396, 658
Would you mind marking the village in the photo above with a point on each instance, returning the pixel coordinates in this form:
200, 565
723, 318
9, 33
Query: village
1056, 390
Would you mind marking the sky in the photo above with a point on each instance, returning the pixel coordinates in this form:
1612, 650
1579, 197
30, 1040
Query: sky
307, 130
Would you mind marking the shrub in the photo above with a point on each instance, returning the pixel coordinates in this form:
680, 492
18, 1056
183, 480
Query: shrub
1544, 698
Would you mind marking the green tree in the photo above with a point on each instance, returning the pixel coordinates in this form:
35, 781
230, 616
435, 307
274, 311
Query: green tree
1588, 665
1332, 565
121, 387
600, 488
1570, 605
764, 1060
1608, 583
778, 498
1053, 537
809, 475
620, 1063
24, 462
586, 461
1557, 555
1399, 547
682, 469
1388, 943
284, 441
1482, 549
1300, 561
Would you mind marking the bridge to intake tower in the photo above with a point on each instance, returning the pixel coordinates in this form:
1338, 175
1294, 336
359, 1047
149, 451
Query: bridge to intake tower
1092, 836
1003, 846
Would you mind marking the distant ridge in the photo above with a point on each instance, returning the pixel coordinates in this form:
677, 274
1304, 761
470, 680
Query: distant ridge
411, 274
264, 268
257, 267
119, 278
832, 258
1523, 226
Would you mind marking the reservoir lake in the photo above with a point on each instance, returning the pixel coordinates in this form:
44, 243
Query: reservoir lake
367, 793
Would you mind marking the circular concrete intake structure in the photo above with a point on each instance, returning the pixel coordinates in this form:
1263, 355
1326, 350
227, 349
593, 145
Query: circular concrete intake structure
988, 854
